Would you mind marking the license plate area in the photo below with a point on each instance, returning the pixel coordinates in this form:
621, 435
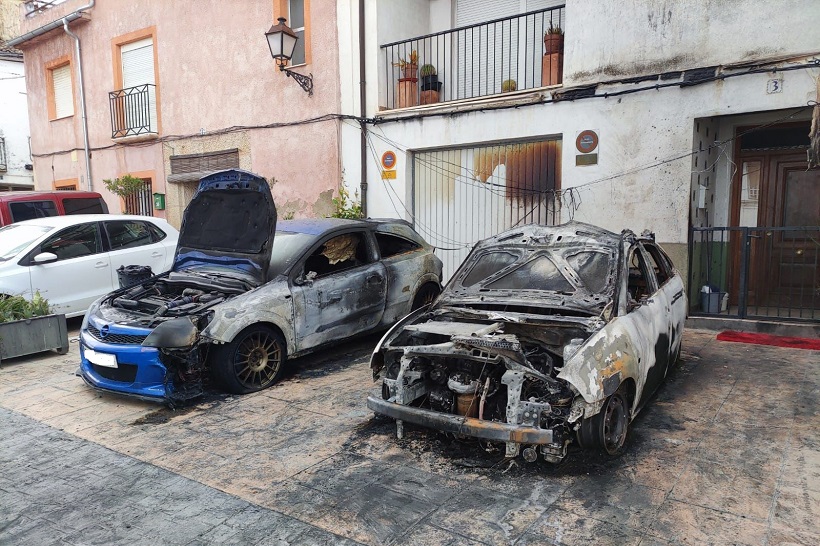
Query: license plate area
101, 359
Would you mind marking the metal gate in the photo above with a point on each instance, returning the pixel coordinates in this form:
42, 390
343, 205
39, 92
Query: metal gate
463, 195
755, 272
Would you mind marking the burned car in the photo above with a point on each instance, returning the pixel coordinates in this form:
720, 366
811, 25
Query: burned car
543, 337
245, 293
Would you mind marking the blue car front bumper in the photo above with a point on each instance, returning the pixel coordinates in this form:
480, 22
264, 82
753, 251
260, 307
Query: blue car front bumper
138, 372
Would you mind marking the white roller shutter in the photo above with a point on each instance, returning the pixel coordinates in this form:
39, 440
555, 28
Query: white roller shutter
138, 69
63, 93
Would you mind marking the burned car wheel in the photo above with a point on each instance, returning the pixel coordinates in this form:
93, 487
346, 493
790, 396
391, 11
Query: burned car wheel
607, 429
251, 362
425, 296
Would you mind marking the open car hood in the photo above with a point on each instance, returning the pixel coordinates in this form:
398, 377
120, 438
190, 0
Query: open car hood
229, 224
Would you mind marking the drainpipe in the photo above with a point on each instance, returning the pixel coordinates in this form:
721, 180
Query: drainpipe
362, 99
82, 100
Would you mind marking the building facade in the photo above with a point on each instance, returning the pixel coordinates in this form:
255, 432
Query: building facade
168, 91
15, 154
641, 115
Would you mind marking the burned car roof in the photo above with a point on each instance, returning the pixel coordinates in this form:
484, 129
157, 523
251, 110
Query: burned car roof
571, 266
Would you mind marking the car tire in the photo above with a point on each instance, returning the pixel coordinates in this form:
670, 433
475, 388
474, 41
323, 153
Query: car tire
251, 362
607, 430
425, 296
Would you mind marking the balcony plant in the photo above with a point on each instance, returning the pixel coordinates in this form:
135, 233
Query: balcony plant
124, 187
28, 327
430, 86
553, 40
508, 86
409, 66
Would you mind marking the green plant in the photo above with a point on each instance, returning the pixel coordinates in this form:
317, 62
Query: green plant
427, 70
19, 308
347, 207
125, 186
508, 85
554, 30
411, 60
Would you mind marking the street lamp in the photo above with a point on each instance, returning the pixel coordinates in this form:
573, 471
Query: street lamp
282, 41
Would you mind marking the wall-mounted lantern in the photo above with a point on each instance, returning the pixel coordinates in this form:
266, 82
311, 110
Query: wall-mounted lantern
282, 41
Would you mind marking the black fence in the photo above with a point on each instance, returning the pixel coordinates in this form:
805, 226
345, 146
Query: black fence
755, 272
521, 52
133, 111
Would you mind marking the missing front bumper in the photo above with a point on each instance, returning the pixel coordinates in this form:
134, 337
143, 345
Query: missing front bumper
458, 424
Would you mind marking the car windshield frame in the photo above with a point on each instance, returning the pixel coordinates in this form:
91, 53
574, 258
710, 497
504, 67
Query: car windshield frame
10, 238
288, 247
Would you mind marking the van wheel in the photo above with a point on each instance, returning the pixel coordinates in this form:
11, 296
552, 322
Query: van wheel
251, 362
606, 431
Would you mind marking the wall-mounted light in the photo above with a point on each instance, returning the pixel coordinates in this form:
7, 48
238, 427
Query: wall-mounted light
282, 41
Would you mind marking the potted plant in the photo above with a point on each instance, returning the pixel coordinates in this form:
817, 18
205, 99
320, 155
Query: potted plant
553, 40
409, 66
552, 64
27, 327
430, 86
508, 86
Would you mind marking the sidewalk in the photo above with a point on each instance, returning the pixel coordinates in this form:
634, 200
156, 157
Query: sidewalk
727, 453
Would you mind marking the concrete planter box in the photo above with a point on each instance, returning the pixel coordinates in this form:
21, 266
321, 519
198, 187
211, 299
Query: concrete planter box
34, 335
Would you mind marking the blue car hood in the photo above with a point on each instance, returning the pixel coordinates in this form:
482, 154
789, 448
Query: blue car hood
229, 223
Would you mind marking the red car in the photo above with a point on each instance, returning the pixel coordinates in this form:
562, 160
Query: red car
28, 205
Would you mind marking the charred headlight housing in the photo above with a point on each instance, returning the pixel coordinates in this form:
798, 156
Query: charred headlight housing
177, 333
205, 320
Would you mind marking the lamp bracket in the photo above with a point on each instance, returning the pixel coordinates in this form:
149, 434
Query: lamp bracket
305, 82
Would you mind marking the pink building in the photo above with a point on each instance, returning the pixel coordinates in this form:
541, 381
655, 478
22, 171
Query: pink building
172, 90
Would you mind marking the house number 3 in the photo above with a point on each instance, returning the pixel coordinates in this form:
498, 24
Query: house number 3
774, 86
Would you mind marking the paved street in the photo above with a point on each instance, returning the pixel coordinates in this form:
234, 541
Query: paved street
727, 453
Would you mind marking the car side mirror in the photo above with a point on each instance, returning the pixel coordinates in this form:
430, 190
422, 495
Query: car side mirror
307, 279
44, 258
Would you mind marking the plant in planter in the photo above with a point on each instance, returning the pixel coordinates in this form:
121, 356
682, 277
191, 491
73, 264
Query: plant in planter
409, 66
125, 187
430, 86
407, 91
552, 64
508, 86
26, 327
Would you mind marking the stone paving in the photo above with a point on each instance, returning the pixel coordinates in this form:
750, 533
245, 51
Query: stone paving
727, 453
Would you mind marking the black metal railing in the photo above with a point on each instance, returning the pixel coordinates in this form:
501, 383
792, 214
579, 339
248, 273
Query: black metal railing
755, 272
133, 111
3, 164
34, 7
520, 52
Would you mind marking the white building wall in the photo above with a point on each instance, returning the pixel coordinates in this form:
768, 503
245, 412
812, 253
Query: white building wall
14, 126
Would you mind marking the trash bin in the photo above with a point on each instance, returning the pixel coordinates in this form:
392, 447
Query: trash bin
711, 299
130, 275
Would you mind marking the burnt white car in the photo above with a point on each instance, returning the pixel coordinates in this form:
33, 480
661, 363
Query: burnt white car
544, 336
245, 293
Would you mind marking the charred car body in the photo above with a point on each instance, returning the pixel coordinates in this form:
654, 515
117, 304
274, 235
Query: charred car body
244, 294
544, 336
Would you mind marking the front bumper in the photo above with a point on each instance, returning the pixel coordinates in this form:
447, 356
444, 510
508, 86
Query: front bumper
458, 424
139, 373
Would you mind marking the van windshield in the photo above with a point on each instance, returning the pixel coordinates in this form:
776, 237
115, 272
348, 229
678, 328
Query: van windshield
16, 237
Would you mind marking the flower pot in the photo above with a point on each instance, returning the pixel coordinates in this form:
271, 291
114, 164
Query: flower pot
407, 92
552, 69
430, 96
34, 335
430, 83
553, 43
409, 71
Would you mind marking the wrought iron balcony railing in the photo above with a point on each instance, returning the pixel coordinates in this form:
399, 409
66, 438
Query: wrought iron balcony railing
133, 111
3, 165
521, 52
34, 7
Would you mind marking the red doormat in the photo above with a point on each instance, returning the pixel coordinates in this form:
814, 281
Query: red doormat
766, 339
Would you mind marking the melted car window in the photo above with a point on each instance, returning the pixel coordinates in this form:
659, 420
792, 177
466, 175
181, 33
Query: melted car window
488, 264
538, 274
593, 268
338, 254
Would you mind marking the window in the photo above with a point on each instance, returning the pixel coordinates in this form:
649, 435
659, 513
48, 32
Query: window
658, 262
134, 108
338, 254
390, 245
74, 242
67, 184
29, 210
296, 21
83, 205
128, 234
59, 88
641, 277
142, 202
192, 167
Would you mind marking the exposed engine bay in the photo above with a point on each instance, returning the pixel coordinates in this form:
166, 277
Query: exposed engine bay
502, 371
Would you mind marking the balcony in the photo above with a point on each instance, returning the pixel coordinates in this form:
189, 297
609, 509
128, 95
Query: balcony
35, 7
524, 51
133, 111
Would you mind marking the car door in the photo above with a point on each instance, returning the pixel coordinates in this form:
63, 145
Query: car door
671, 284
133, 242
81, 273
402, 260
338, 290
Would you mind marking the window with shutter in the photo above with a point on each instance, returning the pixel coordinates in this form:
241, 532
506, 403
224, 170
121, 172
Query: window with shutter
61, 93
138, 76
